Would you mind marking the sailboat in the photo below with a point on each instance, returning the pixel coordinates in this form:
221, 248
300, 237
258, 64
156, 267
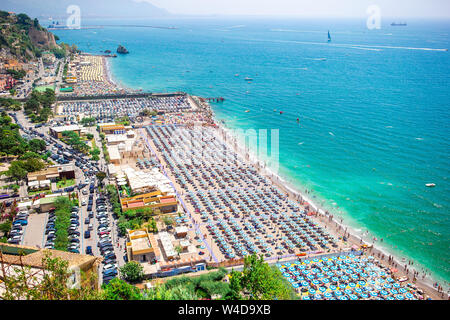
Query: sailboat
329, 37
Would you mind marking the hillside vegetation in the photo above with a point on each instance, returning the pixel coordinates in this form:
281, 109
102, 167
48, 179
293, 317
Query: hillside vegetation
23, 36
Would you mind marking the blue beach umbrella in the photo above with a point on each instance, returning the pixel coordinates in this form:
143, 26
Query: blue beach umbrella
295, 285
306, 298
364, 295
311, 291
394, 291
353, 297
327, 295
399, 297
409, 296
384, 292
318, 296
374, 294
402, 290
396, 285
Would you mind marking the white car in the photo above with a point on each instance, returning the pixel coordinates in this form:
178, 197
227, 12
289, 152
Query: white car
83, 203
109, 266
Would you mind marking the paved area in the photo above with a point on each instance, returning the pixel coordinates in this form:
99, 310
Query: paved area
34, 231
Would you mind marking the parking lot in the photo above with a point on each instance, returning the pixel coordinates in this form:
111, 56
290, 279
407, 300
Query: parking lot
92, 228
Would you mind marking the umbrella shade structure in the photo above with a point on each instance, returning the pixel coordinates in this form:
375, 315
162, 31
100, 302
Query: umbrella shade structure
409, 296
306, 298
399, 297
384, 292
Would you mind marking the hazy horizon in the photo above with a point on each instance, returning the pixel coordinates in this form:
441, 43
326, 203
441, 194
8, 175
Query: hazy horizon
305, 8
399, 10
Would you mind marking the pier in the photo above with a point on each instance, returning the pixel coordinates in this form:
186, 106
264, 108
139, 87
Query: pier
212, 99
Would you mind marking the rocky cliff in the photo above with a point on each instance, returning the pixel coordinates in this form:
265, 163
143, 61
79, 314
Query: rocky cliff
42, 38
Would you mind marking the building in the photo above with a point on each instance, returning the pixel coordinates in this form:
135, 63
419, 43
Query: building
142, 246
13, 256
154, 200
56, 132
112, 128
52, 173
46, 203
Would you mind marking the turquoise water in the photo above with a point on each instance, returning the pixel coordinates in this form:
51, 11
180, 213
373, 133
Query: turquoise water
374, 109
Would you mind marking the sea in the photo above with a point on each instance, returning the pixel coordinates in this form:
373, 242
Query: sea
373, 109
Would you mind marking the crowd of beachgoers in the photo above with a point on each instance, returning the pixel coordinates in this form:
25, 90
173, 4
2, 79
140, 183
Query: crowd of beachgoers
93, 79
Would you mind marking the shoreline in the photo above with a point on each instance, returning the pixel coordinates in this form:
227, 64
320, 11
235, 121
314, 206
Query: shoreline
332, 224
323, 217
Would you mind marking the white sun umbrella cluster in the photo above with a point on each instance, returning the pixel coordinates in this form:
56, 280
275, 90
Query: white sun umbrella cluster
140, 180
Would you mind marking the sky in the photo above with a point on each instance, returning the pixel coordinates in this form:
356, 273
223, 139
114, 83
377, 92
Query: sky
308, 8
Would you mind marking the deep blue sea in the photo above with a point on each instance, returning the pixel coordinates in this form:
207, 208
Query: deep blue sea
373, 105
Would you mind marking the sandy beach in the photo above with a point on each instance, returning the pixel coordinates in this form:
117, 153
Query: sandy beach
336, 226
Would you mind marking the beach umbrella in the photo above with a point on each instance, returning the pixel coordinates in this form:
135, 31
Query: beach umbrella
409, 296
338, 293
305, 284
394, 291
311, 291
348, 291
362, 283
364, 295
306, 298
396, 285
325, 280
352, 284
328, 295
387, 286
358, 290
295, 285
399, 297
390, 298
402, 290
384, 292
374, 294
353, 297
343, 298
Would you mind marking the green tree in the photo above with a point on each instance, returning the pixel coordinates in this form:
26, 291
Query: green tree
37, 145
16, 171
235, 286
132, 272
263, 282
118, 289
168, 221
